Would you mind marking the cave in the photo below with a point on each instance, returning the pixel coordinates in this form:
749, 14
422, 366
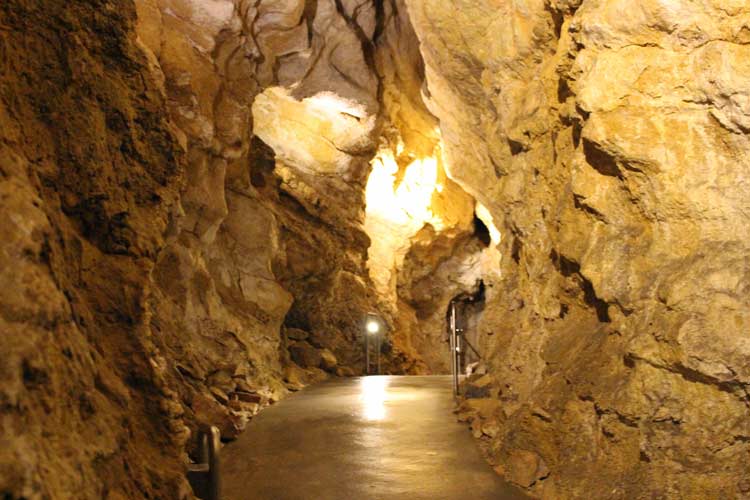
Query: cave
217, 214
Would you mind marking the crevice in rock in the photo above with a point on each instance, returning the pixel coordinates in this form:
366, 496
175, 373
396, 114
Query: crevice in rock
570, 268
600, 160
580, 204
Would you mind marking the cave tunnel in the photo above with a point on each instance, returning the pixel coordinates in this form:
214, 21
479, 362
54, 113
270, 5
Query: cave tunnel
248, 247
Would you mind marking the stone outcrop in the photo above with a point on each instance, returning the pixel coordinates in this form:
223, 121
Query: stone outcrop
608, 139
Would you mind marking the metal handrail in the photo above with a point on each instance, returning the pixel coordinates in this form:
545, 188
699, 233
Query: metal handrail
472, 347
456, 339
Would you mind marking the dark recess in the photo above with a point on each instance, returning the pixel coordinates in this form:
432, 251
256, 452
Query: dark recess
515, 250
481, 231
262, 162
600, 161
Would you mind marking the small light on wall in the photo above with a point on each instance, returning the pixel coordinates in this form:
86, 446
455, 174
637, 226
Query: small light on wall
373, 326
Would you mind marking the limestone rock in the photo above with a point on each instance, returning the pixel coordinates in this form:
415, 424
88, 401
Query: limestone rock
248, 397
297, 334
525, 468
344, 371
476, 428
295, 377
478, 387
328, 360
209, 412
89, 180
470, 410
608, 144
491, 428
305, 355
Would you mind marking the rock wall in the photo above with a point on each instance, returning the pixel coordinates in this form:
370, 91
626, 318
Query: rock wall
90, 173
277, 105
424, 228
609, 141
168, 259
185, 204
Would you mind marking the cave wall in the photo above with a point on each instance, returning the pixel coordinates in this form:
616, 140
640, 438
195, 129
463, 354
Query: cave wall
90, 172
608, 139
425, 249
271, 237
161, 260
173, 240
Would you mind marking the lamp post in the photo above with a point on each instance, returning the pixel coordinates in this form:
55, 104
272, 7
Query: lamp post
373, 328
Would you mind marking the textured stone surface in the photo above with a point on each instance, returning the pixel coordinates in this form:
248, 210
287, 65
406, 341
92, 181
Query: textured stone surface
185, 197
89, 181
608, 140
273, 201
425, 248
142, 297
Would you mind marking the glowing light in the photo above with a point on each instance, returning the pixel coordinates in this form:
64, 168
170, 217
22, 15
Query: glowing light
374, 391
372, 326
417, 188
409, 203
401, 200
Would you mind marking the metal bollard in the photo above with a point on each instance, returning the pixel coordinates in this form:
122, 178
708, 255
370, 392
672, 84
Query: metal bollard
204, 476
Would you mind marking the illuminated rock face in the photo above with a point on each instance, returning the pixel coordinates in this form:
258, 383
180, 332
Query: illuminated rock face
609, 141
193, 187
276, 104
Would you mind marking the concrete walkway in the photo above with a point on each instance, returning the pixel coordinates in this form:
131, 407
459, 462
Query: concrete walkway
369, 438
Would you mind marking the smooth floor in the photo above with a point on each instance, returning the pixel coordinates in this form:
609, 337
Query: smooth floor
378, 438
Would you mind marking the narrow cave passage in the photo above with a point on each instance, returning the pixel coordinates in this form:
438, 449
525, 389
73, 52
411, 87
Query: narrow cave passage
204, 202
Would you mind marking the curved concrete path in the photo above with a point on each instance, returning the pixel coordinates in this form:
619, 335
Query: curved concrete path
367, 438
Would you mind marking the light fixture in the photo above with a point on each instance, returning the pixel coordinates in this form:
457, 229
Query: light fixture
373, 326
373, 336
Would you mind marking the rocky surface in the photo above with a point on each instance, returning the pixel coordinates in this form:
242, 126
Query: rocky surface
608, 139
202, 199
277, 105
90, 172
162, 245
428, 240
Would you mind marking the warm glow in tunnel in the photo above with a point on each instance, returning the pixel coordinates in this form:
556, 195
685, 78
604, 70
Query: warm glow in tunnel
399, 204
409, 203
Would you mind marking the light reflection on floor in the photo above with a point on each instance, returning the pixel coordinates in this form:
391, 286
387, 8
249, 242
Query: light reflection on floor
373, 397
370, 438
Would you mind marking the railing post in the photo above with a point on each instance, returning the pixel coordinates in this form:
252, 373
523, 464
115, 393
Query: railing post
204, 476
379, 341
454, 347
374, 326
